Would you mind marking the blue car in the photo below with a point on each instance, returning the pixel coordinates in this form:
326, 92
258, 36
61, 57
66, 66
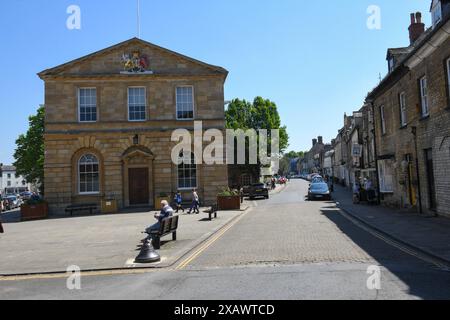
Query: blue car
319, 190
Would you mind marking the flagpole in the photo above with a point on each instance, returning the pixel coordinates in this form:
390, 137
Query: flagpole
139, 19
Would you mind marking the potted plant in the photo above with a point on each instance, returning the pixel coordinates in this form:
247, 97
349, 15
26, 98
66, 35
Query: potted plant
229, 199
34, 209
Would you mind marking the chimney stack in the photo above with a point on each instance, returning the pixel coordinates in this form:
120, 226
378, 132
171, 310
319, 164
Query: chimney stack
320, 139
417, 27
314, 142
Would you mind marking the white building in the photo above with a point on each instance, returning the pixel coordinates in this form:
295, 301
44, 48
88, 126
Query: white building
10, 183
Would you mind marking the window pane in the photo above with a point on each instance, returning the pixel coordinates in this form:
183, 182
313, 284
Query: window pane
89, 176
185, 102
136, 104
187, 172
87, 104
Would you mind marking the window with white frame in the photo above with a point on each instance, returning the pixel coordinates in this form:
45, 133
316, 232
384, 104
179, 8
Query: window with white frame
88, 174
436, 13
386, 176
137, 104
187, 172
424, 96
185, 102
87, 104
383, 120
403, 114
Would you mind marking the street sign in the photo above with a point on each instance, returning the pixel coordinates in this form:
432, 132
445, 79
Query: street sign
357, 150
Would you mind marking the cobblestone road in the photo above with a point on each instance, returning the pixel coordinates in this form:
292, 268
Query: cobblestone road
285, 230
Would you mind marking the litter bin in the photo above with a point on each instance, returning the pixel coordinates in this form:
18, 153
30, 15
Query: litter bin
109, 206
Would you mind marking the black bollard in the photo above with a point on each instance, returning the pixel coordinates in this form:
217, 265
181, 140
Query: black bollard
148, 253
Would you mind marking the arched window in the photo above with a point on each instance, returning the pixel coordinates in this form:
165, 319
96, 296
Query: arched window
187, 172
88, 173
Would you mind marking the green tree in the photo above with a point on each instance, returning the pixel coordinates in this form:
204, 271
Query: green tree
261, 114
294, 154
29, 155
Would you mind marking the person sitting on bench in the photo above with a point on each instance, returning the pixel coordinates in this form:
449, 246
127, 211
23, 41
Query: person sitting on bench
166, 212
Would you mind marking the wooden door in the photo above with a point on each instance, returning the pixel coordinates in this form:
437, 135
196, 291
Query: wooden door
138, 186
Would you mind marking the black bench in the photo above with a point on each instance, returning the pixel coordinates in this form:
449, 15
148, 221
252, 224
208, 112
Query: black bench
168, 226
81, 207
213, 212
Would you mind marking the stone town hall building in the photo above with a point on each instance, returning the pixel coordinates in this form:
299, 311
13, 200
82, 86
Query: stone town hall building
109, 117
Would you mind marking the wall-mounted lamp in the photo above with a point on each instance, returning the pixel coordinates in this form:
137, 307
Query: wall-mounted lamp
136, 140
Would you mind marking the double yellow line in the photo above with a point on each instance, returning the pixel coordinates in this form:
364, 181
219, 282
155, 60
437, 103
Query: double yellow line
209, 242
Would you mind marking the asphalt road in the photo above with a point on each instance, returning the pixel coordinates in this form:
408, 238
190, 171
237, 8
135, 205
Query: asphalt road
284, 248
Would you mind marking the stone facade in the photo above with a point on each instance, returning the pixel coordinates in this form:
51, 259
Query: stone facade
119, 144
404, 145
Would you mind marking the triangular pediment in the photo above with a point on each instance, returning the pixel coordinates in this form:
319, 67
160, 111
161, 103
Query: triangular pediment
143, 58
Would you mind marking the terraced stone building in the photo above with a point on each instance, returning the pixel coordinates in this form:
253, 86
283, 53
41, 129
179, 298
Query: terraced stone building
411, 108
109, 118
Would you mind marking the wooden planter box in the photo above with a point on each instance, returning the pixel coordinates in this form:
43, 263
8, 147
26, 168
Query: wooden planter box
229, 203
32, 212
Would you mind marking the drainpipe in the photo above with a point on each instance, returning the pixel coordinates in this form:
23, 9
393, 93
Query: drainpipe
372, 108
414, 132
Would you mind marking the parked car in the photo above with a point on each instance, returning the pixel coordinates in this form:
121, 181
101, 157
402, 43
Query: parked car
246, 191
258, 190
317, 179
14, 202
26, 195
319, 190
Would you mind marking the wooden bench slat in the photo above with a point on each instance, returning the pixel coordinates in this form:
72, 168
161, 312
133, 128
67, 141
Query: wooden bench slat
168, 226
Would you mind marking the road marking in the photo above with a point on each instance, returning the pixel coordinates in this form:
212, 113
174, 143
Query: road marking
83, 274
208, 243
394, 243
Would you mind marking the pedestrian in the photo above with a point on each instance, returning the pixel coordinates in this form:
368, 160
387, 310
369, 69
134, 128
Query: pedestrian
195, 203
178, 202
1, 227
356, 192
166, 212
368, 184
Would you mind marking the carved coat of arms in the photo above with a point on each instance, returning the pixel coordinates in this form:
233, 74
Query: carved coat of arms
135, 63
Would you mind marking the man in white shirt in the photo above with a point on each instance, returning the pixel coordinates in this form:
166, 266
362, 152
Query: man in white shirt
195, 203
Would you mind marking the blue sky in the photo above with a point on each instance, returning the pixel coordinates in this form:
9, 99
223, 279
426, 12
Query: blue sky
315, 59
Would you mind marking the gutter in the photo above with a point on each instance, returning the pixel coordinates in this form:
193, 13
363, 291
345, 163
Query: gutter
432, 42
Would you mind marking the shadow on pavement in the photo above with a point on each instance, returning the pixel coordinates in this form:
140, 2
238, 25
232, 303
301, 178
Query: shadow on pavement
422, 279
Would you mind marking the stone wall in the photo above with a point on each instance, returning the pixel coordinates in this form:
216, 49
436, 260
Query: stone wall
399, 141
110, 138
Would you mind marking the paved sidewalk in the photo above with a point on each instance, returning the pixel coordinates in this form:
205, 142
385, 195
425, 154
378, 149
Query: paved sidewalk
429, 234
97, 242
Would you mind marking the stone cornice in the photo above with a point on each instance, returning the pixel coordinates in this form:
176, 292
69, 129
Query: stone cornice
128, 77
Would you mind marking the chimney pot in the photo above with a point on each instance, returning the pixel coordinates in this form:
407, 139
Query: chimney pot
320, 139
418, 17
314, 141
417, 27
